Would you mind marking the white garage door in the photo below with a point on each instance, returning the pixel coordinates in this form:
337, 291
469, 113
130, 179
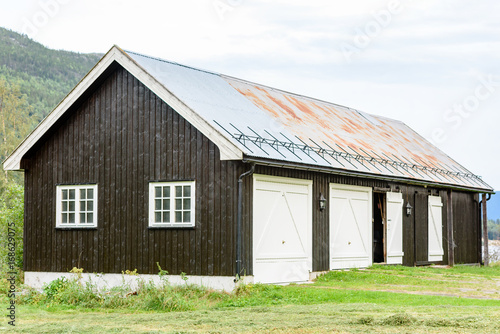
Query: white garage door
282, 229
350, 226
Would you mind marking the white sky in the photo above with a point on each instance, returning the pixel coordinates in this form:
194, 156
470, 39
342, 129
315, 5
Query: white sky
432, 64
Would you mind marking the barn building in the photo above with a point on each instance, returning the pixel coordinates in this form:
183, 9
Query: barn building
151, 162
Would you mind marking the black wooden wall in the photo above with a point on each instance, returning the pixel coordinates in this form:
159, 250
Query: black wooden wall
121, 136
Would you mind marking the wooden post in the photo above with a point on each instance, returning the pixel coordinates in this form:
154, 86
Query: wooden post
451, 242
485, 233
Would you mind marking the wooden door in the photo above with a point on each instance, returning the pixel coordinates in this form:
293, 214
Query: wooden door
435, 227
394, 228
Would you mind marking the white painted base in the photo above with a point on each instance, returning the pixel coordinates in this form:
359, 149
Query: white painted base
37, 280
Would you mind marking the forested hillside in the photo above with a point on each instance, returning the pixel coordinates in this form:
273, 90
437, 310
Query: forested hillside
33, 80
44, 75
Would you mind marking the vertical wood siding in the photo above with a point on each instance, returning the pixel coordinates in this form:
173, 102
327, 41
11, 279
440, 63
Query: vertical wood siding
122, 137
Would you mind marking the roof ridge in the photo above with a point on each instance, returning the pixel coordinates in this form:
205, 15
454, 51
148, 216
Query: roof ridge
256, 83
173, 63
262, 85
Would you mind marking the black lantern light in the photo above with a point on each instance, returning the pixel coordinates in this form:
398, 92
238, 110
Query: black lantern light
408, 209
322, 202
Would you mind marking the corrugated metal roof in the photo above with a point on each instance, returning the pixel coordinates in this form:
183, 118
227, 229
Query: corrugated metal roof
269, 123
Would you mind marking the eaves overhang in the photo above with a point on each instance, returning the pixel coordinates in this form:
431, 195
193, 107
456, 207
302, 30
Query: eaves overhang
351, 173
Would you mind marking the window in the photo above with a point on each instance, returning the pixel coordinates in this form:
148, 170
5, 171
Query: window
76, 206
171, 204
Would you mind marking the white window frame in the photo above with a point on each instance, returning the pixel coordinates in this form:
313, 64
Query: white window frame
77, 211
172, 209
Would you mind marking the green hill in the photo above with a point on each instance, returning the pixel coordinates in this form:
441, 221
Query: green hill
45, 76
33, 80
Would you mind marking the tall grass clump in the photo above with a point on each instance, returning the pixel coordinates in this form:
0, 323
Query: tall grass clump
142, 295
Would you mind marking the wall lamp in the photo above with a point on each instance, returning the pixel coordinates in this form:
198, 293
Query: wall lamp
408, 209
322, 202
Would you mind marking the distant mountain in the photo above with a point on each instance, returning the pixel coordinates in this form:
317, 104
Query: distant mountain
45, 76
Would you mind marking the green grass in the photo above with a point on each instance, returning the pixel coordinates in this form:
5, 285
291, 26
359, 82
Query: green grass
381, 299
317, 318
459, 281
260, 295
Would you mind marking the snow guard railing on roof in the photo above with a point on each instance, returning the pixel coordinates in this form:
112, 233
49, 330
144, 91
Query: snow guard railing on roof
340, 155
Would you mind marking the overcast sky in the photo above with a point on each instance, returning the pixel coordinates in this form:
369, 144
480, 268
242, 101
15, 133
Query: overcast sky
432, 64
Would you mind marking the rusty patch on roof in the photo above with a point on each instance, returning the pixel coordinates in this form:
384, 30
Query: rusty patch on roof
347, 130
268, 123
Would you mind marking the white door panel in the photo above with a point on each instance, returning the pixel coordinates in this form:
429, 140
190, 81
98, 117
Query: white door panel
350, 226
394, 228
282, 229
435, 226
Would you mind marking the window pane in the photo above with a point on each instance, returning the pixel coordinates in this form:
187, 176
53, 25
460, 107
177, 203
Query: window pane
90, 193
157, 217
187, 191
82, 205
90, 218
187, 217
65, 218
71, 218
166, 217
64, 206
178, 191
90, 205
157, 192
72, 194
82, 193
178, 204
178, 216
72, 206
166, 191
157, 204
187, 203
166, 204
64, 194
82, 218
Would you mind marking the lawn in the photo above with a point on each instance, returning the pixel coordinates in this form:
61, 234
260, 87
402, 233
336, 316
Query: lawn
376, 300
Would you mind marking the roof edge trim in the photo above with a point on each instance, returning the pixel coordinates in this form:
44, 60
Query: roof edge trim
13, 161
291, 165
228, 151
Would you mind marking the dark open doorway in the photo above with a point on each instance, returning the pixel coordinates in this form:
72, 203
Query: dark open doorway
379, 232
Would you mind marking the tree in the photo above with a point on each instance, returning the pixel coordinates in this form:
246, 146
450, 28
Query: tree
11, 233
15, 122
494, 229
